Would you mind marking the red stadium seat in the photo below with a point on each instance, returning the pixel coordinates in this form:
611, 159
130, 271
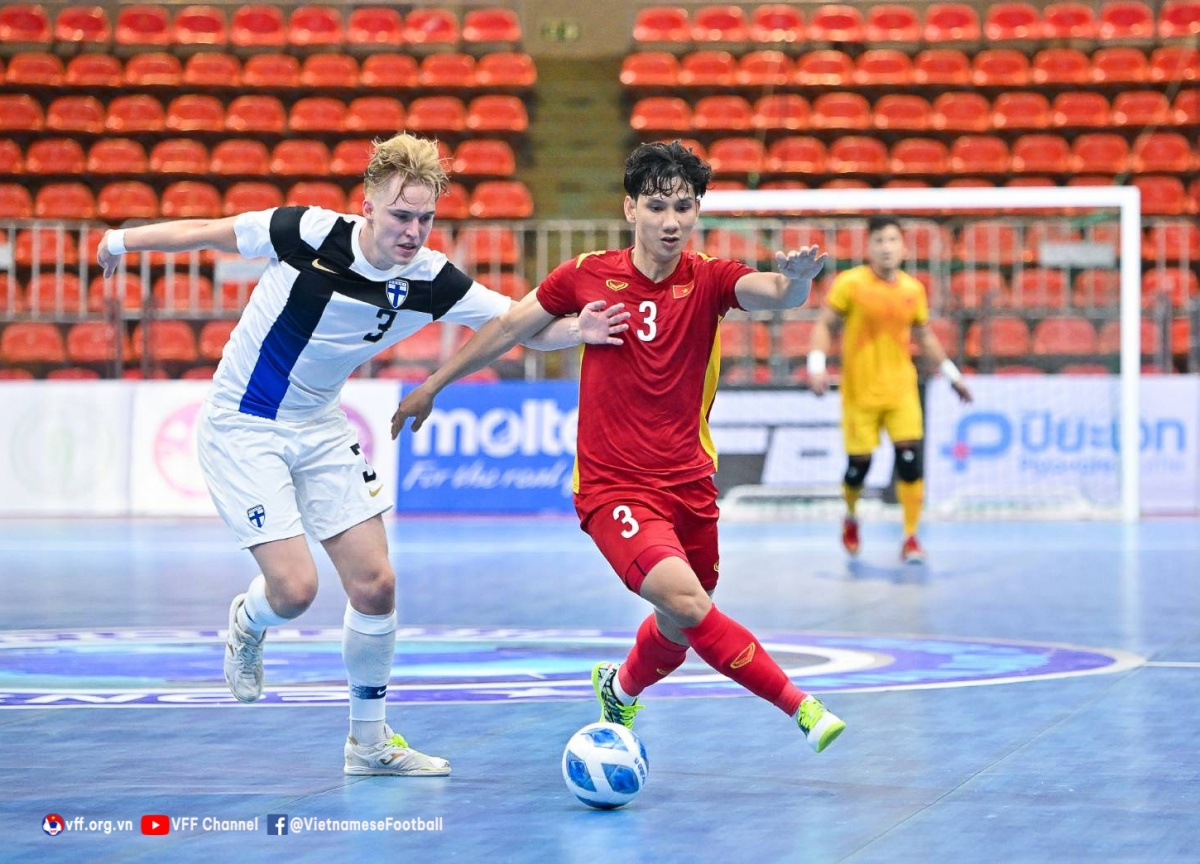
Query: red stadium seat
72, 373
902, 111
856, 154
661, 24
1064, 336
723, 114
155, 69
744, 338
49, 293
189, 199
11, 160
797, 155
720, 24
506, 70
1176, 284
374, 26
1141, 108
250, 195
1100, 153
1069, 20
1080, 110
82, 24
73, 114
491, 26
883, 66
252, 114
239, 156
650, 69
836, 23
919, 156
276, 71
437, 115
708, 69
1175, 63
1187, 108
496, 113
1172, 241
942, 67
94, 70
54, 156
200, 25
1038, 288
15, 202
24, 23
892, 23
1125, 21
482, 158
96, 342
182, 156
1000, 336
116, 156
961, 112
179, 292
1109, 339
165, 341
1120, 66
257, 27
211, 69
447, 71
135, 114
501, 199
454, 203
780, 111
34, 69
297, 157
64, 201
1013, 22
737, 156
1021, 111
951, 22
1179, 19
1093, 288
431, 28
1000, 67
824, 69
1162, 196
987, 242
1061, 66
317, 114
374, 114
310, 26
483, 247
1162, 151
776, 23
32, 342
213, 337
351, 157
329, 70
841, 111
143, 25
195, 113
128, 199
389, 70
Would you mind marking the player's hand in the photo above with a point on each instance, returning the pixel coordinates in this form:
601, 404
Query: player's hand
818, 383
106, 259
418, 404
964, 394
601, 326
800, 265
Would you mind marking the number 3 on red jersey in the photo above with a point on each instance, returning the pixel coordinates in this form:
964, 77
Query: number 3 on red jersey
624, 515
650, 311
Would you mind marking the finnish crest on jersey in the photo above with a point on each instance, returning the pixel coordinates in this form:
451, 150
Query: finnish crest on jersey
397, 290
257, 515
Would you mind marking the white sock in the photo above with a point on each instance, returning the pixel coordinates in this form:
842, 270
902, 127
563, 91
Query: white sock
620, 691
368, 646
256, 614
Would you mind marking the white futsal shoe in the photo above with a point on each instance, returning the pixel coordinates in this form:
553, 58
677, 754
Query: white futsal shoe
391, 757
243, 658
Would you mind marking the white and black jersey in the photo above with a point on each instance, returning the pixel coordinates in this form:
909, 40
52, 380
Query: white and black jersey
320, 310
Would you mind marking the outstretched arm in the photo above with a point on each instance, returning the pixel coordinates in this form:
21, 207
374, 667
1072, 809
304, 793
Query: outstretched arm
931, 347
490, 342
181, 235
594, 325
785, 289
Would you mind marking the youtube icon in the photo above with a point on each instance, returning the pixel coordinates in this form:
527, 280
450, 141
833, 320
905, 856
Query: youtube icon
156, 824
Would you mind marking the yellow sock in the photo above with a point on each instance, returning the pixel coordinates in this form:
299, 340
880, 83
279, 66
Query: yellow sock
852, 494
912, 496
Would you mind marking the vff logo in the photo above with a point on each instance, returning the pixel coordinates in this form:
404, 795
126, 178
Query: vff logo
397, 290
257, 515
277, 823
53, 824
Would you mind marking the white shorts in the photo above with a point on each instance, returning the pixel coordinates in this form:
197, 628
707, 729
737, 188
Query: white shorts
272, 479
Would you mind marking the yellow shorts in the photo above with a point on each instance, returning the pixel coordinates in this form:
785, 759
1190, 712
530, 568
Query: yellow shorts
860, 426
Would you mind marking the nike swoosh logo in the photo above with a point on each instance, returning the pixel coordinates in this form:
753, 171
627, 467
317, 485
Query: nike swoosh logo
317, 263
375, 491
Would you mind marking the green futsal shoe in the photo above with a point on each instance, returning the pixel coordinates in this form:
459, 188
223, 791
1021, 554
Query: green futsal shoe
612, 709
819, 725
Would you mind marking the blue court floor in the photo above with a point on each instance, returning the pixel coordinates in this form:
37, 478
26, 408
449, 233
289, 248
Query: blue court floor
1029, 695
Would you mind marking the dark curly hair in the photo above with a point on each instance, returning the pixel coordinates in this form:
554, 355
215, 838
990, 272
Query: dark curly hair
655, 169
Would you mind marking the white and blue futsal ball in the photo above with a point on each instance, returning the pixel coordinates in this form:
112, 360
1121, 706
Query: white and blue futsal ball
605, 765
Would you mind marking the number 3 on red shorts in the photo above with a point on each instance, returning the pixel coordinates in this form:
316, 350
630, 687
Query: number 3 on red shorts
624, 515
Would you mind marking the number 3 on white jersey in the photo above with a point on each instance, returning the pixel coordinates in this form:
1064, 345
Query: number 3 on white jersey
648, 309
624, 515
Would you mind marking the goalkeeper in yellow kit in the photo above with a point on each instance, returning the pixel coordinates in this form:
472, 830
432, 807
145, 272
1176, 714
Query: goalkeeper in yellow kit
883, 308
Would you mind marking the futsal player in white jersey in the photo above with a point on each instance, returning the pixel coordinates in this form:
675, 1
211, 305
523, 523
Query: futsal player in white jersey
277, 453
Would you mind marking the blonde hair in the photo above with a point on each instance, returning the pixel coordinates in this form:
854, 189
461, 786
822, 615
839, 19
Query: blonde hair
413, 159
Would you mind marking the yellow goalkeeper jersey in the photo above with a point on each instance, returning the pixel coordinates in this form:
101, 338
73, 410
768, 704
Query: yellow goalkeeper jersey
877, 369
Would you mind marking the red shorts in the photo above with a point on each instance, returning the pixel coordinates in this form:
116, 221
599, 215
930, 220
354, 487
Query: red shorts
637, 527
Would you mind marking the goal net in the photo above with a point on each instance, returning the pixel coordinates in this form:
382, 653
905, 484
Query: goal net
1034, 292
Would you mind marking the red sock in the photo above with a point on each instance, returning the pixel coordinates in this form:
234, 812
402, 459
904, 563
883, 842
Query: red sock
652, 658
732, 650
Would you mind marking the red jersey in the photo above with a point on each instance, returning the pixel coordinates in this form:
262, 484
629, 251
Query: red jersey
643, 405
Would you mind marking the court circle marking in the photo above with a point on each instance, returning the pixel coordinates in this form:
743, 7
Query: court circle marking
181, 667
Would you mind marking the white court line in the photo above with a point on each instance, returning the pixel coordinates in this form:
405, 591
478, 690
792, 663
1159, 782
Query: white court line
1175, 664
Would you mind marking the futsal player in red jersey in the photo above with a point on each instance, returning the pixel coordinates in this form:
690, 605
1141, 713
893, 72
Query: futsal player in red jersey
645, 458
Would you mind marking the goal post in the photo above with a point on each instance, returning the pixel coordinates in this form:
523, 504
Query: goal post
795, 205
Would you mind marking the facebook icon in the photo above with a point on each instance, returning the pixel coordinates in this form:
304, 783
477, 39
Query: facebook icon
277, 823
